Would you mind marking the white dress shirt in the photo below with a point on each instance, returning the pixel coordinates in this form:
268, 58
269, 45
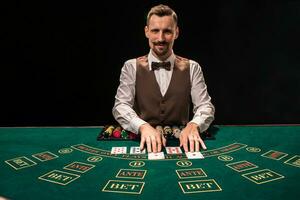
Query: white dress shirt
124, 100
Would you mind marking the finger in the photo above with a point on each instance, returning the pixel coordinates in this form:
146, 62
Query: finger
158, 146
202, 144
148, 141
191, 140
164, 141
185, 144
142, 143
154, 144
180, 140
197, 145
158, 140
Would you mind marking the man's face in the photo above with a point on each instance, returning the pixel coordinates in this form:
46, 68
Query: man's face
161, 32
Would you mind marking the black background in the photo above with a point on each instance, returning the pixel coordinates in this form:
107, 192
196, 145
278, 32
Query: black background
61, 60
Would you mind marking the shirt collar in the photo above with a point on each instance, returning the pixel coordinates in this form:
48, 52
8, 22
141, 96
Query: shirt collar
152, 58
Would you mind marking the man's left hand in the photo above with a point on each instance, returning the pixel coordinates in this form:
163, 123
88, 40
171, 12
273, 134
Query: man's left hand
190, 135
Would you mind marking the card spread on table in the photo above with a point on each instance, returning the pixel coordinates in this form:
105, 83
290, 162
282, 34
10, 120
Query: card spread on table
173, 150
118, 150
194, 155
137, 150
156, 156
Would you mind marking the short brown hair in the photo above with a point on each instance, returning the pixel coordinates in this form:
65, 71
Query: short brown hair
161, 10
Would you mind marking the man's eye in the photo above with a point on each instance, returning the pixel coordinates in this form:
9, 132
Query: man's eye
168, 32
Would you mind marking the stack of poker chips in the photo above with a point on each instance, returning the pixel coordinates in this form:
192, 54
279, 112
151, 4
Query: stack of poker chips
176, 131
167, 132
116, 132
108, 131
173, 132
170, 132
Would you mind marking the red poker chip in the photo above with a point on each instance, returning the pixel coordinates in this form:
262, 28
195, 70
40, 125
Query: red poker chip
117, 134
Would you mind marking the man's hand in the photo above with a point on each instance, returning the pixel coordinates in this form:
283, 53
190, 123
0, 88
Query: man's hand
151, 137
191, 135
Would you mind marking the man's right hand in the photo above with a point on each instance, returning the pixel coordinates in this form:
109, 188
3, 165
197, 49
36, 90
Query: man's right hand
151, 137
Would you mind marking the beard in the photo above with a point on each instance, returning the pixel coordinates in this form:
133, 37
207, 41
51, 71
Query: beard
161, 48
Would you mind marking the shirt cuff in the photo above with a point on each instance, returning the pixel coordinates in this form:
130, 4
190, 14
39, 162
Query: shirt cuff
135, 124
198, 120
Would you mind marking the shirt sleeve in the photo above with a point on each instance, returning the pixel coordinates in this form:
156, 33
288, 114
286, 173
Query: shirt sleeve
203, 109
124, 100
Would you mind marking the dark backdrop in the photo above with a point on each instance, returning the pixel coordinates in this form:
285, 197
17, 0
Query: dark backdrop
61, 61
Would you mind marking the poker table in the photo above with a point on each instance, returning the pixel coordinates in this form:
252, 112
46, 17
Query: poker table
241, 162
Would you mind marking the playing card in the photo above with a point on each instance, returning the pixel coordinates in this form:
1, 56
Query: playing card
194, 155
173, 150
156, 156
118, 150
137, 150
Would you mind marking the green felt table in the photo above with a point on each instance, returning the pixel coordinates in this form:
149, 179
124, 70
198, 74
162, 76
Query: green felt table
242, 162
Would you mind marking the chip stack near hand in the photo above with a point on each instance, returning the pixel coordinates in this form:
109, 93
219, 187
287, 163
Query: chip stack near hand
117, 132
176, 131
167, 132
108, 131
132, 136
124, 134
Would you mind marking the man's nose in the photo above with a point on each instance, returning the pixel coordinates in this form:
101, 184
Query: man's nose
161, 36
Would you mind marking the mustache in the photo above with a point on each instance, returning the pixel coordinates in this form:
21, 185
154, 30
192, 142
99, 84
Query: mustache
160, 43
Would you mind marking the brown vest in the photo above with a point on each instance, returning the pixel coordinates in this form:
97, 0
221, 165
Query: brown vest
151, 106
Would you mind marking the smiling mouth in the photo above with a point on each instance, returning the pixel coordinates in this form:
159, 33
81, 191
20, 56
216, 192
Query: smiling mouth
160, 45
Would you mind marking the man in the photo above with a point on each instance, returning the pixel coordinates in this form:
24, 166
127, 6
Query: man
157, 89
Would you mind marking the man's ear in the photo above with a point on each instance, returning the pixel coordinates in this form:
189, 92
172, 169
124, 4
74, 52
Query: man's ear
146, 31
177, 32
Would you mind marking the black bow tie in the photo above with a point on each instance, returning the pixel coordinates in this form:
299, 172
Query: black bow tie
157, 65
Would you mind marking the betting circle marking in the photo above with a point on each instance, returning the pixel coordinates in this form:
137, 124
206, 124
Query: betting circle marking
253, 149
137, 163
94, 159
184, 163
65, 150
225, 158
